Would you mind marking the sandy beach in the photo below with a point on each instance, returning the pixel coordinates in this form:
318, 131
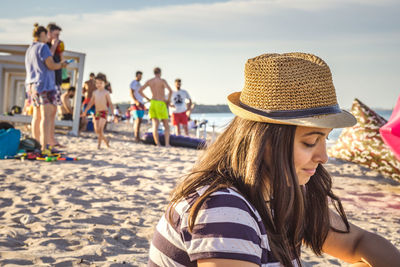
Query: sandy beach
101, 209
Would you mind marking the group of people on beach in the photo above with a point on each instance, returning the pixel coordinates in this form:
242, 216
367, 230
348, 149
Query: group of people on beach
98, 103
44, 63
178, 101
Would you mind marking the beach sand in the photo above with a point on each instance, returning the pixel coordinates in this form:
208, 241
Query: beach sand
101, 210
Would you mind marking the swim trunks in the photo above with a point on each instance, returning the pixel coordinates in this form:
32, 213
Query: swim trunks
137, 111
43, 98
179, 118
138, 107
158, 110
101, 114
58, 95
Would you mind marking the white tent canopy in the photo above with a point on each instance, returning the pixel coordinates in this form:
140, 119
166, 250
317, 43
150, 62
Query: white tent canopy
12, 83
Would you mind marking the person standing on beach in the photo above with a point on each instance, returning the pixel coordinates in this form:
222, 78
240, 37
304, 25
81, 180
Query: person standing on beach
88, 88
102, 101
137, 104
57, 49
40, 81
108, 87
180, 107
260, 191
158, 105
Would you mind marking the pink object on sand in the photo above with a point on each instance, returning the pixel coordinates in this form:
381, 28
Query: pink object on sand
390, 132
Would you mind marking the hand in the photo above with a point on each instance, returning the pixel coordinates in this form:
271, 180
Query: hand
55, 41
137, 103
83, 114
64, 64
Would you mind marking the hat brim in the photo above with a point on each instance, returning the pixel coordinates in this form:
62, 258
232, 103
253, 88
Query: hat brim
337, 120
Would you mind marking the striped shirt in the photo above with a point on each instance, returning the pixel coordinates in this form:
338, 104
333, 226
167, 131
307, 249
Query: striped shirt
227, 226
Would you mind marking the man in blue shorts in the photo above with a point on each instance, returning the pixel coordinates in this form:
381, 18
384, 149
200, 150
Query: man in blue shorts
137, 104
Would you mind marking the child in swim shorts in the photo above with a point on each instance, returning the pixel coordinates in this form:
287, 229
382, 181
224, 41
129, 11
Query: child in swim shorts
101, 100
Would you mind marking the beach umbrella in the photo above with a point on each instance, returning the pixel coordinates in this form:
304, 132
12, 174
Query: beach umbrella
390, 132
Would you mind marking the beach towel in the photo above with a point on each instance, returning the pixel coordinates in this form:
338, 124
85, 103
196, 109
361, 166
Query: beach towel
363, 144
390, 132
9, 142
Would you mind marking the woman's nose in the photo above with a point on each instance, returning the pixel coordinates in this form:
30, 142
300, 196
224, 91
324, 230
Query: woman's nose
320, 155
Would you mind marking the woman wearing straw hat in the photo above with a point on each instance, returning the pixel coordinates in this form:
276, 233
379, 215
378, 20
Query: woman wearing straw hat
261, 190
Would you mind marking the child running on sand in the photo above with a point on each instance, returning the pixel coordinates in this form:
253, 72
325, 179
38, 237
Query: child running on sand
102, 101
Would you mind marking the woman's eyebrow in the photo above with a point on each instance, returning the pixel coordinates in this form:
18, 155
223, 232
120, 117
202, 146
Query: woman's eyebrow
314, 132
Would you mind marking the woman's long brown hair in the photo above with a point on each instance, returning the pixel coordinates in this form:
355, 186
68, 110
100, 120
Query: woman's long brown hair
292, 214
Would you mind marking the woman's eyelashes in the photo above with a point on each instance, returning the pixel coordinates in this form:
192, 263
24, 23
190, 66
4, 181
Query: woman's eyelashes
309, 145
312, 144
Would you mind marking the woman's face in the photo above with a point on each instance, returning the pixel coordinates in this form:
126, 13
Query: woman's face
43, 37
309, 150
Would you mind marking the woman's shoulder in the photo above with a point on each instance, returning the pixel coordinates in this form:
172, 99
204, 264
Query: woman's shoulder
225, 224
42, 48
225, 203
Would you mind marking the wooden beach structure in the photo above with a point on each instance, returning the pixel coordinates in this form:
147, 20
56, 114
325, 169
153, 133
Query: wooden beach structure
12, 84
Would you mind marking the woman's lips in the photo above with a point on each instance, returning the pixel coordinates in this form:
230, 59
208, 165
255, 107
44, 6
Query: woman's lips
310, 171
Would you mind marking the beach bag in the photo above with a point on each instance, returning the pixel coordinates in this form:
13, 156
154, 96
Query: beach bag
9, 142
29, 144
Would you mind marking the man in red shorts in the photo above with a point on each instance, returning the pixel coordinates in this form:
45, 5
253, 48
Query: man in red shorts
179, 108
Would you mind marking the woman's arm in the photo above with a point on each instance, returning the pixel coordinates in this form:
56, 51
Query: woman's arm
359, 245
54, 66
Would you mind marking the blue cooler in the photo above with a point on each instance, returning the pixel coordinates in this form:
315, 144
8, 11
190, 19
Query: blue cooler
9, 142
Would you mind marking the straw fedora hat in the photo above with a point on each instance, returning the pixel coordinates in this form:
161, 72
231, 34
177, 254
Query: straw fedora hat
292, 88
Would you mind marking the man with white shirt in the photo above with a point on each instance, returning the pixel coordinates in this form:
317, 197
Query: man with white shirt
179, 108
137, 104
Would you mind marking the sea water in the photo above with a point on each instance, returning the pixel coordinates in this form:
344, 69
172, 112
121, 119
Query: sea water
218, 121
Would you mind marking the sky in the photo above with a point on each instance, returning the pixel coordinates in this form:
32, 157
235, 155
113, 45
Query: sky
206, 43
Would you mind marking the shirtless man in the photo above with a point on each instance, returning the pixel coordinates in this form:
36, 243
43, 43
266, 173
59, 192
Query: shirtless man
101, 100
88, 88
66, 108
158, 105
